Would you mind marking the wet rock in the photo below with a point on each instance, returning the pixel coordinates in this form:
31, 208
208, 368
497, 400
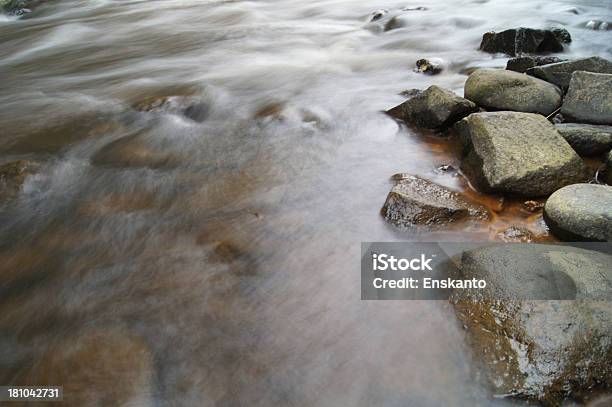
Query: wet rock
12, 177
187, 106
521, 64
98, 368
580, 212
572, 10
432, 66
560, 73
499, 89
227, 252
377, 15
587, 139
533, 206
589, 98
517, 153
414, 201
19, 7
273, 110
542, 350
515, 234
394, 23
522, 40
417, 8
598, 25
134, 151
433, 108
410, 93
608, 169
562, 35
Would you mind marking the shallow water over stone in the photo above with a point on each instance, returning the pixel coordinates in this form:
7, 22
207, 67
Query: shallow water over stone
219, 245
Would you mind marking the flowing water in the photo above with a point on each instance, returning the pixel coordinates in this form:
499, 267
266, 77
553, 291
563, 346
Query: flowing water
157, 260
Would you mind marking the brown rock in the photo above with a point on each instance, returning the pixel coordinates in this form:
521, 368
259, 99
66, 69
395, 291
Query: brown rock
415, 201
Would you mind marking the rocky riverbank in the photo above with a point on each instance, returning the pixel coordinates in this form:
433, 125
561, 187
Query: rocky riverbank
522, 133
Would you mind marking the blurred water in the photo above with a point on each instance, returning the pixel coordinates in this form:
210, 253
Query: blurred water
230, 271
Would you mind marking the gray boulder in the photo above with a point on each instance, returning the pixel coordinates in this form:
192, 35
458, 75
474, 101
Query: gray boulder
521, 64
580, 212
414, 201
560, 73
518, 41
517, 153
498, 89
589, 98
433, 108
587, 139
542, 350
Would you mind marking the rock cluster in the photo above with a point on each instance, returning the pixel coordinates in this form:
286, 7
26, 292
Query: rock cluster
560, 73
542, 350
512, 148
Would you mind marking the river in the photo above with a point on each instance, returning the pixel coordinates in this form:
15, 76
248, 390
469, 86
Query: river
227, 271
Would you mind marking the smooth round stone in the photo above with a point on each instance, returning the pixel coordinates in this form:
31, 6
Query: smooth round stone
581, 212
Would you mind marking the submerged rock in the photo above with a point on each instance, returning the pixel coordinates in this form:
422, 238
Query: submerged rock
522, 40
560, 73
533, 206
589, 98
587, 139
414, 201
517, 153
377, 15
190, 107
598, 25
521, 64
12, 177
580, 212
433, 108
134, 151
499, 89
432, 66
99, 368
515, 234
542, 350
